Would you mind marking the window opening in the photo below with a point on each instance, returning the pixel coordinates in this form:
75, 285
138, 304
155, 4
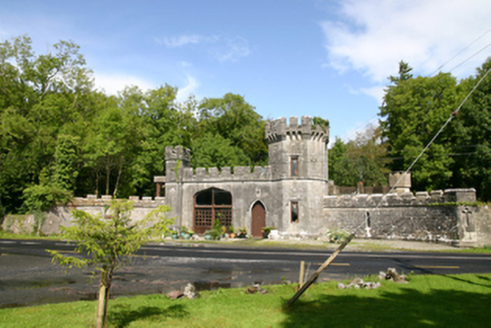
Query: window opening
294, 211
210, 205
294, 166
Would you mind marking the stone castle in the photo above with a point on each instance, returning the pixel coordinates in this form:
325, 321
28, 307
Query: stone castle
287, 194
293, 195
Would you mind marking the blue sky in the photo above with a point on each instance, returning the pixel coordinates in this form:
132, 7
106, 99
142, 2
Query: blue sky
286, 57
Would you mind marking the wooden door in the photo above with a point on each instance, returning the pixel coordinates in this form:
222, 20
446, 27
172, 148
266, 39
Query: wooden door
258, 220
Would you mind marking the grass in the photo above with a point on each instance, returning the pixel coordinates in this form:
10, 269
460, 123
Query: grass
10, 235
428, 300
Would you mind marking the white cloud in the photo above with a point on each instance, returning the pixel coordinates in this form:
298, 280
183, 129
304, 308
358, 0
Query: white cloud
376, 92
223, 49
112, 83
189, 89
374, 36
184, 40
232, 50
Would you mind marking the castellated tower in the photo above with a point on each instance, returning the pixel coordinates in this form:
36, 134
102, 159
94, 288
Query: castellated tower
287, 194
298, 164
176, 159
297, 151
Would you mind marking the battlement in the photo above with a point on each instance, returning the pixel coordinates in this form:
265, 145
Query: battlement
212, 174
93, 200
408, 199
277, 130
177, 153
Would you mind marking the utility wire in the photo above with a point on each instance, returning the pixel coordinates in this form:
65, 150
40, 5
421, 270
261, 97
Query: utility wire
461, 51
428, 145
349, 135
471, 56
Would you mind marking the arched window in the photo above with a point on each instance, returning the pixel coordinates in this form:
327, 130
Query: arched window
209, 205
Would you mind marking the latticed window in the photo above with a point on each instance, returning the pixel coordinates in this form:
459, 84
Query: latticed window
210, 205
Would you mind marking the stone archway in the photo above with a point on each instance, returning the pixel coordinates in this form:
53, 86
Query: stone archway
258, 219
209, 205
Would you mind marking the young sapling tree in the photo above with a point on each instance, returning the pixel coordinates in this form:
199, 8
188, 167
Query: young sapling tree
105, 242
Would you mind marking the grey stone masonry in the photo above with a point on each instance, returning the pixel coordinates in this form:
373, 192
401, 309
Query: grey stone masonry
439, 216
297, 173
291, 195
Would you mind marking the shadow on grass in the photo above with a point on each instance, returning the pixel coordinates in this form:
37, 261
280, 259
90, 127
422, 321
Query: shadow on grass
122, 317
406, 308
486, 283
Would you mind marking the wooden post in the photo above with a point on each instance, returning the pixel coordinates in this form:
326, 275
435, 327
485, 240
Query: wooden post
302, 272
318, 272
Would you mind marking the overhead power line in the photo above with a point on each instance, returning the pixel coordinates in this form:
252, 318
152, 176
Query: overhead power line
460, 52
428, 145
471, 56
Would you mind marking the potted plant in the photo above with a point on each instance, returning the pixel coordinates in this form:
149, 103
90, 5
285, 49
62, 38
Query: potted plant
232, 231
266, 231
208, 235
185, 232
174, 234
242, 232
216, 231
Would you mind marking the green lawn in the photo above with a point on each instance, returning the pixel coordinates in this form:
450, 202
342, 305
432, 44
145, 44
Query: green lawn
436, 301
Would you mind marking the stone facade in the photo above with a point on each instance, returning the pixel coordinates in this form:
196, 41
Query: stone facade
439, 216
291, 194
290, 189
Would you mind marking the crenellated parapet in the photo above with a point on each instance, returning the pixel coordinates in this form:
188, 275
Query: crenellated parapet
278, 130
177, 153
422, 198
93, 200
238, 173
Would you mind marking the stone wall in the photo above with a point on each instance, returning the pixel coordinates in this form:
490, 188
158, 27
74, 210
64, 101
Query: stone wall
19, 224
482, 220
439, 216
60, 216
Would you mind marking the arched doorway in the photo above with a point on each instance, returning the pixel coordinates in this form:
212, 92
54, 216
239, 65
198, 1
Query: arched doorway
258, 220
209, 205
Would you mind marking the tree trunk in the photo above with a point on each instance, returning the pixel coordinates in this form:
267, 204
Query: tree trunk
108, 173
117, 179
100, 319
104, 288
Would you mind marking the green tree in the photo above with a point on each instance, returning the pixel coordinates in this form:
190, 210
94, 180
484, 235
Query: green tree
413, 111
110, 145
162, 122
41, 97
341, 170
107, 241
216, 151
472, 138
363, 159
235, 120
56, 182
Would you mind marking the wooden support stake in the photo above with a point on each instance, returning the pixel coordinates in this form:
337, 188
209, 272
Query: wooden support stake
302, 272
318, 272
